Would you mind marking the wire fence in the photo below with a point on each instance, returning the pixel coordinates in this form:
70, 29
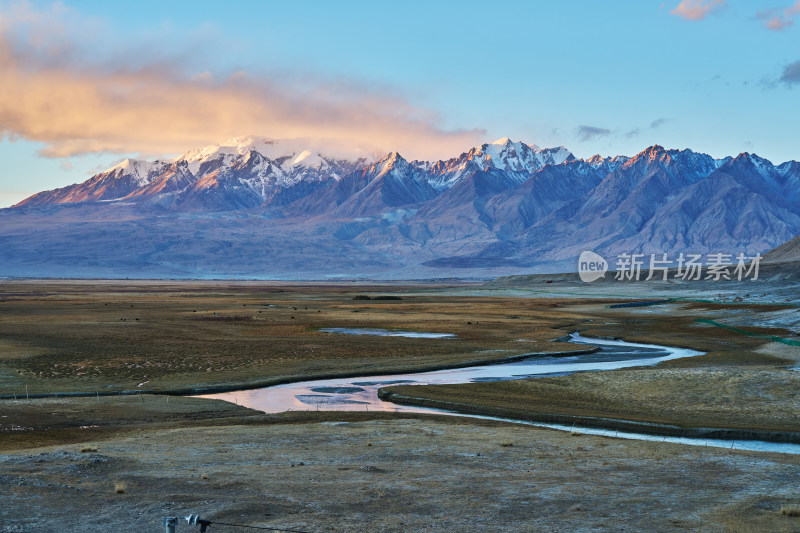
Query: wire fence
195, 520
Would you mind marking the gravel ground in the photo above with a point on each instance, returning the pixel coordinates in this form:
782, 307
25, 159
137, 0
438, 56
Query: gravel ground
387, 474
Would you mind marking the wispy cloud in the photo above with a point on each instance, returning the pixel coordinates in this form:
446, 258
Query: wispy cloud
635, 132
697, 9
778, 19
588, 133
791, 73
54, 92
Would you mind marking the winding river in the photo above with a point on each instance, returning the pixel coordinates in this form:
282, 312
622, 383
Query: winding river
361, 394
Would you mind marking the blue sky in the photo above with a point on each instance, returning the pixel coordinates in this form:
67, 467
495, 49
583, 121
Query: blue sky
86, 84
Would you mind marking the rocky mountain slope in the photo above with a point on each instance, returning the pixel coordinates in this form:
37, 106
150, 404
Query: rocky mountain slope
257, 207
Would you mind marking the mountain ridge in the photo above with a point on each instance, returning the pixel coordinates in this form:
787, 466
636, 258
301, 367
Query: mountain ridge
494, 209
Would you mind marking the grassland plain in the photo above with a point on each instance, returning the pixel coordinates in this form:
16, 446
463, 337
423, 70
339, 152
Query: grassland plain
370, 471
382, 472
726, 403
161, 336
743, 382
86, 337
108, 337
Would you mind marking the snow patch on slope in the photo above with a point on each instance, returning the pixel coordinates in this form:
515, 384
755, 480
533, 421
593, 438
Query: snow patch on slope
137, 169
281, 148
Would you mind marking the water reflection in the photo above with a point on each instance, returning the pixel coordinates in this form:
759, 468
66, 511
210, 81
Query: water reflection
387, 333
358, 394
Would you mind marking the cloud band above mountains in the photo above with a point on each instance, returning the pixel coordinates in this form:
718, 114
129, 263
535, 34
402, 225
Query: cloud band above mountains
51, 94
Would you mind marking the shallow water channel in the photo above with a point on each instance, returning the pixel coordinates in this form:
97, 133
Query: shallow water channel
361, 393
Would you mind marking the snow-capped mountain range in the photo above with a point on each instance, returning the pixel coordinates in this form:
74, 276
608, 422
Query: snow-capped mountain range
259, 207
242, 172
251, 170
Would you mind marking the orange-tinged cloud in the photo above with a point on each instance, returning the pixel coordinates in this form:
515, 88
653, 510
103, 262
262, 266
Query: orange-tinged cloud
77, 108
697, 9
779, 19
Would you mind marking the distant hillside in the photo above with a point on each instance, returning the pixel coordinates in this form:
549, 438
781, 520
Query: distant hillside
786, 252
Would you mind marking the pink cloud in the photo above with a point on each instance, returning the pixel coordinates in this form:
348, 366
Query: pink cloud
697, 9
51, 93
779, 19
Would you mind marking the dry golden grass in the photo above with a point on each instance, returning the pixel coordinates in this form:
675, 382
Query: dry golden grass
758, 513
86, 336
406, 481
743, 398
791, 510
109, 336
65, 337
53, 421
79, 337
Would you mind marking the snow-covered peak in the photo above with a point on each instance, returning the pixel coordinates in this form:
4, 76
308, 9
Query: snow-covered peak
137, 169
596, 160
304, 155
654, 152
286, 148
554, 156
395, 169
685, 161
518, 159
122, 165
505, 154
609, 163
502, 147
284, 161
505, 141
392, 162
753, 163
307, 159
265, 146
231, 147
788, 168
763, 166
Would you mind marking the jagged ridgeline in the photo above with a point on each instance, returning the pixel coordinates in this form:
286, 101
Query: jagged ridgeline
307, 208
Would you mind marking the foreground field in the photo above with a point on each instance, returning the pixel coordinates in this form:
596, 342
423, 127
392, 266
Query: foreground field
104, 337
377, 472
131, 459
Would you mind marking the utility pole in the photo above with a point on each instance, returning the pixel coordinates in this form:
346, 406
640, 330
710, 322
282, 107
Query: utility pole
193, 520
169, 523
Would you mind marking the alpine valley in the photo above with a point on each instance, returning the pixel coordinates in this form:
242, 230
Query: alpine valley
313, 209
